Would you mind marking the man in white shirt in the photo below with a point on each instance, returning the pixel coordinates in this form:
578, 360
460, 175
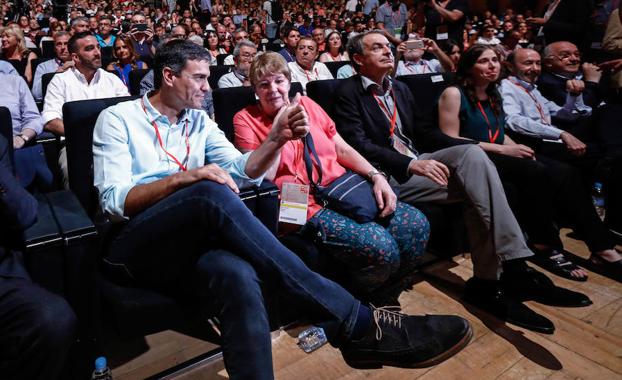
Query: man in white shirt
86, 80
414, 63
243, 56
305, 69
59, 64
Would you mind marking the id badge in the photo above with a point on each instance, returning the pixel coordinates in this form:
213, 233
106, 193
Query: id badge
294, 203
398, 32
442, 33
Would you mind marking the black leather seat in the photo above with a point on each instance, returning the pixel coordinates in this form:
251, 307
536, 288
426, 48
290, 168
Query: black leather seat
333, 67
323, 93
135, 77
6, 129
220, 59
47, 49
427, 88
45, 81
215, 72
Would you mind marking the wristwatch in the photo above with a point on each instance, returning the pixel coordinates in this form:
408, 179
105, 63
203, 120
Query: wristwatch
374, 172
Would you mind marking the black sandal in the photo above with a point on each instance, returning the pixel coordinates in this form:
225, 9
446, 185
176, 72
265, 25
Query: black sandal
554, 261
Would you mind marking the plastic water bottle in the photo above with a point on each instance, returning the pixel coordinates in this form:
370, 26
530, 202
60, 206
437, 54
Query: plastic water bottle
101, 372
598, 198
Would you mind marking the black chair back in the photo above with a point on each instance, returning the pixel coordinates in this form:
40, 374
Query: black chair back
47, 49
135, 77
215, 72
45, 81
228, 101
34, 64
79, 118
6, 130
333, 67
19, 67
427, 88
220, 59
322, 92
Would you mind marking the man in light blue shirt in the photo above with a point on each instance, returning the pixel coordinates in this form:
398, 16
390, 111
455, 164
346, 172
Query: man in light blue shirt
165, 168
60, 63
7, 68
393, 14
528, 113
369, 6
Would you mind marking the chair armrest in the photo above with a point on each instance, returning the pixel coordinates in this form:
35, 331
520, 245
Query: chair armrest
263, 201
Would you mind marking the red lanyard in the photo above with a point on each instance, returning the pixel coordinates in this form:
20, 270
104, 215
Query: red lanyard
392, 116
157, 131
537, 103
307, 74
492, 138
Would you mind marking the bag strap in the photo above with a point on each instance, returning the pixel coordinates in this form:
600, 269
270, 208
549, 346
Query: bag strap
309, 147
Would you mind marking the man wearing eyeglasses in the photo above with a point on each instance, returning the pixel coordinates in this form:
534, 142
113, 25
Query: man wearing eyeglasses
105, 37
243, 56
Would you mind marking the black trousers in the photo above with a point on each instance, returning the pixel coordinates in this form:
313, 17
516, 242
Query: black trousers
36, 330
549, 191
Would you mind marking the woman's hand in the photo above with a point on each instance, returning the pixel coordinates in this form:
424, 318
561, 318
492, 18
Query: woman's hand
517, 150
290, 123
385, 197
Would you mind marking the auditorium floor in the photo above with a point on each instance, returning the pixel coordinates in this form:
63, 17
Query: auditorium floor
587, 343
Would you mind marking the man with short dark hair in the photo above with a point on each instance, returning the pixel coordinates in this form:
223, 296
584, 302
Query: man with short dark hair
291, 36
85, 80
104, 36
378, 117
184, 223
306, 69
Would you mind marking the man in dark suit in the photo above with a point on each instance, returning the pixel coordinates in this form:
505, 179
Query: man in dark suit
379, 118
566, 20
36, 326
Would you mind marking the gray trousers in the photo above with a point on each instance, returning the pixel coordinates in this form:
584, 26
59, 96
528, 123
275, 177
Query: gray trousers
494, 233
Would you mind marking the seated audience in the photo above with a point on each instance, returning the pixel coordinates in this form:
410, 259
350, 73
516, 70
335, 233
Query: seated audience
336, 50
141, 37
488, 36
453, 50
371, 252
243, 56
320, 39
378, 117
306, 68
414, 63
38, 327
529, 115
213, 47
80, 25
473, 110
345, 71
14, 47
127, 60
86, 80
59, 64
182, 220
7, 68
291, 36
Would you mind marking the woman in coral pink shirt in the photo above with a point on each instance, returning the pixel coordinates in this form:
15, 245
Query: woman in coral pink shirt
371, 252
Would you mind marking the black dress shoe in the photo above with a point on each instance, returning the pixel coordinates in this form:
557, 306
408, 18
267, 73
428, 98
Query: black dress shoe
407, 341
489, 296
531, 285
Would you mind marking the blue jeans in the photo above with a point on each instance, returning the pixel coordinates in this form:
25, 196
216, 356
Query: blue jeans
372, 252
205, 231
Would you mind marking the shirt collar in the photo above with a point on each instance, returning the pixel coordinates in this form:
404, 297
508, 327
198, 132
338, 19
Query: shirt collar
526, 85
386, 85
82, 78
153, 114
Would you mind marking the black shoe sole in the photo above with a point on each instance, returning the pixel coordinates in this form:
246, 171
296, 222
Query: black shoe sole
375, 364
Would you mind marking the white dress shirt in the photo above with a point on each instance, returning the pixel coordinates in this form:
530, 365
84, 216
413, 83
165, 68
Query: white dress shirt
319, 71
72, 85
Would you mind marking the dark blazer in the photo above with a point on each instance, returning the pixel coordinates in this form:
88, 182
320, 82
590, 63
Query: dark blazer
18, 210
362, 124
553, 88
571, 22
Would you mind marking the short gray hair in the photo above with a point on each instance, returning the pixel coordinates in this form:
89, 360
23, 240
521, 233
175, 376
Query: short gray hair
78, 19
240, 45
355, 46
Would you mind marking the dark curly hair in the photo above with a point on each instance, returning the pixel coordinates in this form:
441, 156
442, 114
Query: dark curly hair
463, 76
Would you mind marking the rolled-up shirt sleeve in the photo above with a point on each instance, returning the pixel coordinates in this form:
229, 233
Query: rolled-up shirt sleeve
220, 151
517, 120
112, 163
